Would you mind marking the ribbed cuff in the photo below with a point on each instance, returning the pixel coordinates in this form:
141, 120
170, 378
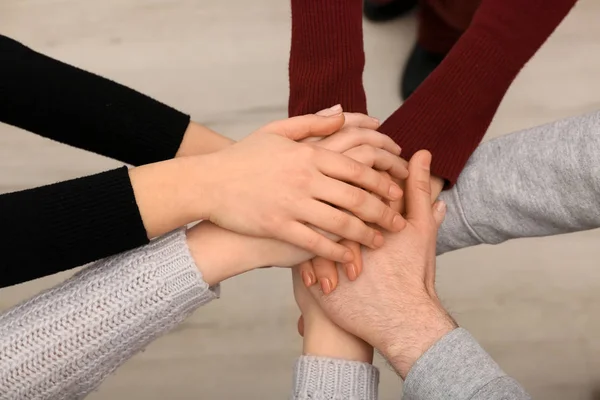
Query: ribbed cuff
456, 367
321, 378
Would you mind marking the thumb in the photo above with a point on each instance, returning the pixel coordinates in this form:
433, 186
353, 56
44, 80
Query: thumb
439, 213
298, 128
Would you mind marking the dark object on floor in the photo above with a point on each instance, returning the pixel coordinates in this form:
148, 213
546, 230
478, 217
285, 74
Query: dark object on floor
388, 11
420, 64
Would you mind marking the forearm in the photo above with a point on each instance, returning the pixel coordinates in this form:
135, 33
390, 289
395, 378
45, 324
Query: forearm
449, 113
327, 56
537, 182
68, 224
118, 306
456, 367
72, 106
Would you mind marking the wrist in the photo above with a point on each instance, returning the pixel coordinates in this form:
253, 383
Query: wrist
199, 139
163, 195
323, 338
219, 254
413, 336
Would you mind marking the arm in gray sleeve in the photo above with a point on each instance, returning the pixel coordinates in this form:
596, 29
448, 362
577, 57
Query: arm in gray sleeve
322, 378
537, 182
63, 342
458, 368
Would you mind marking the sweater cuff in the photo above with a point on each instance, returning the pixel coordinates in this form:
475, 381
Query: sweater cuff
321, 378
456, 367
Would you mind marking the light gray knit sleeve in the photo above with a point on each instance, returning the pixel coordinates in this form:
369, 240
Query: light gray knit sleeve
321, 378
63, 342
458, 368
537, 182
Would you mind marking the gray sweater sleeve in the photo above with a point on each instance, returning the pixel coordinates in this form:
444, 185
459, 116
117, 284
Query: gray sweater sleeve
321, 378
63, 342
537, 182
458, 368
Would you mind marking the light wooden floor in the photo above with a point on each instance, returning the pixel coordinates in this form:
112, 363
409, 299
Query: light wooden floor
533, 304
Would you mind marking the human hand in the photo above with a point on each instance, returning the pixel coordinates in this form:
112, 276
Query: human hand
394, 306
322, 337
325, 271
284, 184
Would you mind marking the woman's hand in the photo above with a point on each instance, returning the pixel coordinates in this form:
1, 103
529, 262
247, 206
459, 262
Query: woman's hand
270, 186
322, 337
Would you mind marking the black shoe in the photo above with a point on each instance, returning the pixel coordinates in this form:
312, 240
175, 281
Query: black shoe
385, 12
420, 64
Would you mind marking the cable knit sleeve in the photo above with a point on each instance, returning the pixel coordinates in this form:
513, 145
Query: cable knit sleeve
63, 342
321, 378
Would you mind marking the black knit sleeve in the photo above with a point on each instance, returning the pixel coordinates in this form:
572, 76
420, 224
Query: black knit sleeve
64, 225
78, 108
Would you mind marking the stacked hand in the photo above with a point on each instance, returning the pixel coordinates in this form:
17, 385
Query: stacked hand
393, 306
269, 185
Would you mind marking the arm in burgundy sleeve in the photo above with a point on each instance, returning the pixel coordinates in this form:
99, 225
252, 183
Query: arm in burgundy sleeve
327, 57
450, 112
57, 227
72, 106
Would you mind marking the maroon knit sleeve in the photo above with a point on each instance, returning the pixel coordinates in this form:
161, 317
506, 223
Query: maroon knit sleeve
452, 109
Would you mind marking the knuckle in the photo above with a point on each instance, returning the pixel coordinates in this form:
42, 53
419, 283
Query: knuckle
357, 197
423, 186
355, 169
341, 220
313, 241
384, 212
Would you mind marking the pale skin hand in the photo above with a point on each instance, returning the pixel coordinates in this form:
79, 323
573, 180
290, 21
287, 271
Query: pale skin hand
394, 306
282, 183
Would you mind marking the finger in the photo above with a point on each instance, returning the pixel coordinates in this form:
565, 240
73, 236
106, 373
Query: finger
360, 203
439, 213
380, 160
341, 167
359, 120
328, 112
307, 273
298, 128
354, 268
326, 273
302, 236
418, 187
340, 223
349, 138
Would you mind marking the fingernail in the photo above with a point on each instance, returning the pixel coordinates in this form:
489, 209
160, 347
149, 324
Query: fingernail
348, 256
398, 222
326, 285
306, 279
335, 110
426, 160
378, 240
351, 272
395, 192
440, 207
399, 149
376, 121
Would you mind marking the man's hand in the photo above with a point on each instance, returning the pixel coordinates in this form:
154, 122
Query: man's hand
325, 272
393, 306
